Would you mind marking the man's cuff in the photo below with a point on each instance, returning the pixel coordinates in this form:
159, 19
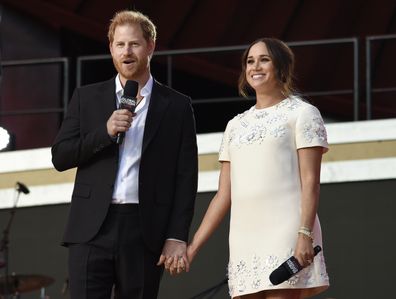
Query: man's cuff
177, 240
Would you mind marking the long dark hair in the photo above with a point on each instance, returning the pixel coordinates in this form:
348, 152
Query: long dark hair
282, 59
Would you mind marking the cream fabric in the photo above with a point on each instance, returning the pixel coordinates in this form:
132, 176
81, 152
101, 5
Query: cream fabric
261, 145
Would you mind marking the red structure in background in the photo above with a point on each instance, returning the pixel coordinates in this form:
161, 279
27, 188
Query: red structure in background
56, 28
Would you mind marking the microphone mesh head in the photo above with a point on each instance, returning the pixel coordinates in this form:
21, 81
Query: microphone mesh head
279, 275
131, 88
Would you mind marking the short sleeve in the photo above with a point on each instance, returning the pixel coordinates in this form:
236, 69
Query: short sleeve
224, 147
310, 129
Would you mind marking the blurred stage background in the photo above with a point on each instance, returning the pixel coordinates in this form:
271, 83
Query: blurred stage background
345, 66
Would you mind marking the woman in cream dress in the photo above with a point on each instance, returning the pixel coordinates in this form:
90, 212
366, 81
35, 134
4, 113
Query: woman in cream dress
270, 173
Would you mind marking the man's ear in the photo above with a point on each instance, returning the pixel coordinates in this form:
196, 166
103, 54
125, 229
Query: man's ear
151, 47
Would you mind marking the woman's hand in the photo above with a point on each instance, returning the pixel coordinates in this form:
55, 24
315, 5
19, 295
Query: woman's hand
304, 252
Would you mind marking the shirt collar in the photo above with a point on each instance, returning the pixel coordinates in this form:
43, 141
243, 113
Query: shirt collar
118, 87
144, 92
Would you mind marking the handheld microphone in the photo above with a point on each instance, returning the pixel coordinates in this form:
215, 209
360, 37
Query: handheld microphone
22, 188
128, 101
289, 268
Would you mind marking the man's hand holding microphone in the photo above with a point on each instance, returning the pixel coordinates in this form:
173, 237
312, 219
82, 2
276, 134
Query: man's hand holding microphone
121, 119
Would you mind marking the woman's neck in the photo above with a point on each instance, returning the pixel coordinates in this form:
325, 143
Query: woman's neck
268, 99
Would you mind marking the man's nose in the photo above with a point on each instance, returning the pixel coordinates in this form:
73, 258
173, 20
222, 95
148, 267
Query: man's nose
127, 50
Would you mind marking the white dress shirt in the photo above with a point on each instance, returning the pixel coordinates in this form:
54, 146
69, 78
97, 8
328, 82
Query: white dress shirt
126, 187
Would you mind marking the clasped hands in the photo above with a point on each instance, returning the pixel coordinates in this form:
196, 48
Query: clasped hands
174, 257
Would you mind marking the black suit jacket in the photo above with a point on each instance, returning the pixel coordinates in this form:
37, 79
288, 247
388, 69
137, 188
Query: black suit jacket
168, 168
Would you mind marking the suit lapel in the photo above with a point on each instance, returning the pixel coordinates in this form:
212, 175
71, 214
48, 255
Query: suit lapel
106, 104
108, 96
159, 101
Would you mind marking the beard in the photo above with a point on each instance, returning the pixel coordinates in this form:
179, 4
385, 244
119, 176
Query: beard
139, 68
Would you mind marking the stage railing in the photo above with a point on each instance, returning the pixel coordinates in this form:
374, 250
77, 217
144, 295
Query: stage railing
171, 53
169, 73
64, 61
369, 89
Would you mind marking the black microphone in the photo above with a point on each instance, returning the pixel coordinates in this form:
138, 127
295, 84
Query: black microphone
286, 270
22, 188
128, 101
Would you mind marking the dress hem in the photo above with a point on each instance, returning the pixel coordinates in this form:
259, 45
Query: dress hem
306, 293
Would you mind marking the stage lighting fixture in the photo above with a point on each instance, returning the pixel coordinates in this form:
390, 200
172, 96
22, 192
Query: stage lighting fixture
5, 139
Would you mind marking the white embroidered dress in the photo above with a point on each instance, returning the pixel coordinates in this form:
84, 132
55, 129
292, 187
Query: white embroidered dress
261, 145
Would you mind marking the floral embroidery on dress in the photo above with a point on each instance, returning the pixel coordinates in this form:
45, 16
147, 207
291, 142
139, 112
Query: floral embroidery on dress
260, 114
254, 274
242, 115
244, 123
241, 285
250, 127
222, 145
271, 261
290, 103
314, 129
278, 131
241, 268
256, 283
287, 125
254, 126
279, 117
255, 134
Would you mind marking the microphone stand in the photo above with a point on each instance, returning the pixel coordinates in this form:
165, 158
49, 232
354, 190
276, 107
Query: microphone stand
4, 244
212, 291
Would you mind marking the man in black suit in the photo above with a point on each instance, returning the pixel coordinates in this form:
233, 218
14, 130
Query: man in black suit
132, 204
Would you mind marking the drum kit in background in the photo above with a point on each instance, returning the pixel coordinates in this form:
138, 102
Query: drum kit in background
12, 286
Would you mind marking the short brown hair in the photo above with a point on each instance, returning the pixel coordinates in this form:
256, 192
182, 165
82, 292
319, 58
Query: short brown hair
283, 60
132, 17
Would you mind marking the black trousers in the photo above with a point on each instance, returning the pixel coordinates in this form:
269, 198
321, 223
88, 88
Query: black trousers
115, 258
